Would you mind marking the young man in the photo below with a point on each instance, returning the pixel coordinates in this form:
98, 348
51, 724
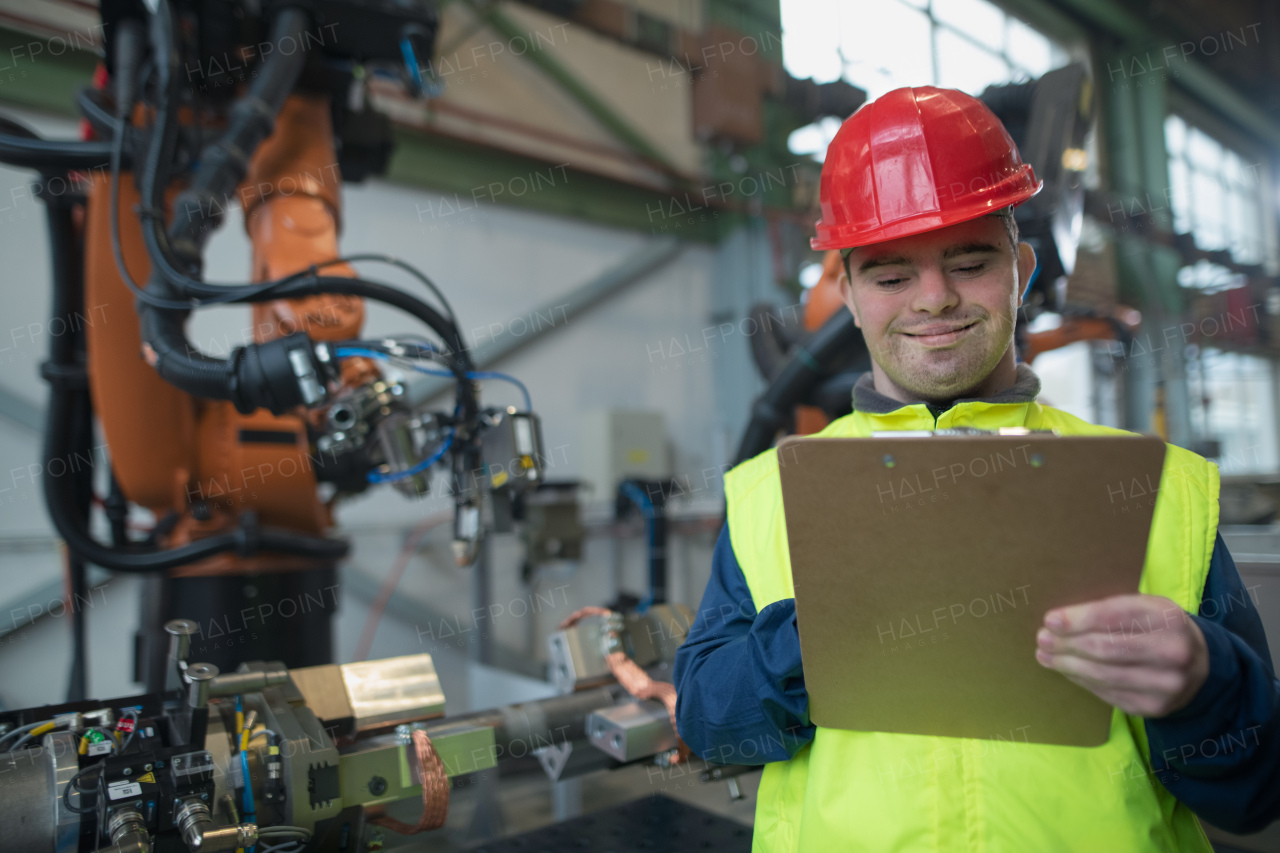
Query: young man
917, 190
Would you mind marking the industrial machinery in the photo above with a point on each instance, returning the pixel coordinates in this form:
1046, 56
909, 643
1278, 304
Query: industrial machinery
240, 455
286, 760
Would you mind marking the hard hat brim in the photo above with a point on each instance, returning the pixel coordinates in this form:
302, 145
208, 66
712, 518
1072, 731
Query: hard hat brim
851, 236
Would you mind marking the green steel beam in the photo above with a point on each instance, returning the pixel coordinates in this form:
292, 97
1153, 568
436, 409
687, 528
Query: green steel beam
1138, 172
475, 174
1048, 19
48, 82
1131, 29
1133, 120
751, 17
1108, 15
473, 177
426, 160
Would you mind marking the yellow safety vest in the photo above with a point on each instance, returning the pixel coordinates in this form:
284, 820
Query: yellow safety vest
879, 792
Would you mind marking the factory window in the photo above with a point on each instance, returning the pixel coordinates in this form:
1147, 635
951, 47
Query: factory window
1217, 196
1233, 404
959, 44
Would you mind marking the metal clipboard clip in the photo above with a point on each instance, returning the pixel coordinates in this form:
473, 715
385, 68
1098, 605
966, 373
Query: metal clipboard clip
927, 433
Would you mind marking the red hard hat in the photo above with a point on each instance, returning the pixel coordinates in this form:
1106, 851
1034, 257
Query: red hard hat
914, 160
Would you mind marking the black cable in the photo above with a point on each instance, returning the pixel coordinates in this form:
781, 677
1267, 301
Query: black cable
223, 164
137, 722
53, 154
61, 502
117, 141
66, 791
78, 682
413, 271
77, 571
131, 48
652, 503
100, 118
94, 108
808, 363
65, 498
90, 102
22, 147
461, 358
65, 433
116, 506
448, 332
247, 540
164, 130
65, 371
222, 168
13, 127
175, 252
232, 295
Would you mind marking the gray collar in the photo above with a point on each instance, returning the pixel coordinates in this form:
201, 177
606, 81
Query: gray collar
867, 399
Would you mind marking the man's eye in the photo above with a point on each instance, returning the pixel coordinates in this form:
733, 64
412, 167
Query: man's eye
972, 268
889, 282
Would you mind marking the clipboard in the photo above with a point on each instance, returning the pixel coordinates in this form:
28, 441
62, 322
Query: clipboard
923, 567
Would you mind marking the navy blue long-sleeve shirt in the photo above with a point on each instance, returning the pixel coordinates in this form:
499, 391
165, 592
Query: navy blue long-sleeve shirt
742, 697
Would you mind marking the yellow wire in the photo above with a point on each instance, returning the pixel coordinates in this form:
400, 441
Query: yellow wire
243, 743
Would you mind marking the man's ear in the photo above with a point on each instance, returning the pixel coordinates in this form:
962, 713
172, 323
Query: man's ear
846, 296
1026, 266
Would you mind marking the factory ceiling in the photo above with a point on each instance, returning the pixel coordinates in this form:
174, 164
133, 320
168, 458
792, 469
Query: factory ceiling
1235, 39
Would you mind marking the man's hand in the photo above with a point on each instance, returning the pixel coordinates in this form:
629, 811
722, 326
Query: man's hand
1141, 653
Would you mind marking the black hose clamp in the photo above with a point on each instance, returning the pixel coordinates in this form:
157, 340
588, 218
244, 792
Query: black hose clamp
248, 534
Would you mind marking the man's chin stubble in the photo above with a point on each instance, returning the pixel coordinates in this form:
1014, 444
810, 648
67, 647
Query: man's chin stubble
920, 378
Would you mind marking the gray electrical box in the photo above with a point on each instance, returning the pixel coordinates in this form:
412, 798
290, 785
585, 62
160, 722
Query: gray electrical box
622, 443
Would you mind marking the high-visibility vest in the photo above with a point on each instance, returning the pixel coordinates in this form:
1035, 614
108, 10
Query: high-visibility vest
880, 792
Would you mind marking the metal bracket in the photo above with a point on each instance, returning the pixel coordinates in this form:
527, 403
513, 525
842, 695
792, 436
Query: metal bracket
554, 758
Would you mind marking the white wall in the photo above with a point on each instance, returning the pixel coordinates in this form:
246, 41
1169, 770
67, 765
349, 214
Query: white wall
1066, 379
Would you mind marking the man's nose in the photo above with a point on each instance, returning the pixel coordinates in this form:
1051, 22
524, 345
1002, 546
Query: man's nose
933, 292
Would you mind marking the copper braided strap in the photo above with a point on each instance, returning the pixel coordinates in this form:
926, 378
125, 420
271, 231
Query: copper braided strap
634, 679
435, 791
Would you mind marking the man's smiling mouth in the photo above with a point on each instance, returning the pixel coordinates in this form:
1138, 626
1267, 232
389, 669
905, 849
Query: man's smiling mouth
940, 334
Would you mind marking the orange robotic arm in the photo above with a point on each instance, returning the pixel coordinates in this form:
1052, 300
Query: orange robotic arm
201, 459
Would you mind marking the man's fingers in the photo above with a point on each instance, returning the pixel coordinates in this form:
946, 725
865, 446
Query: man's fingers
1097, 677
1120, 614
1167, 648
1141, 653
1138, 702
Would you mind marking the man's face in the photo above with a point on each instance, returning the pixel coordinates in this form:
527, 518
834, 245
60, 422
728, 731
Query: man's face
937, 309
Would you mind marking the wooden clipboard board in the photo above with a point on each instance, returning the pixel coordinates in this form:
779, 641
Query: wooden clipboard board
923, 567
